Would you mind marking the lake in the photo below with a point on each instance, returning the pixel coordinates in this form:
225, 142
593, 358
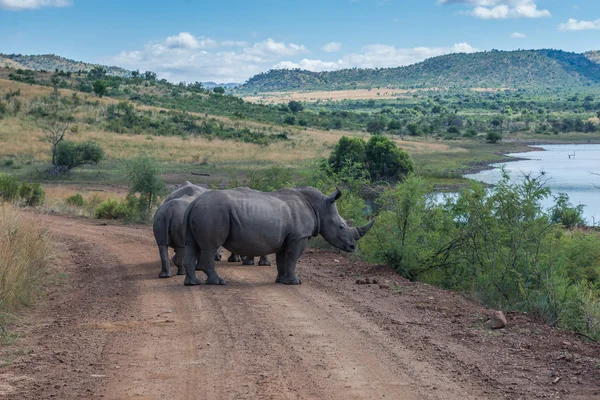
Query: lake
568, 169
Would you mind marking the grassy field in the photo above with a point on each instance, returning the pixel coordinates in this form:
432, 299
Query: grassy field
217, 162
337, 95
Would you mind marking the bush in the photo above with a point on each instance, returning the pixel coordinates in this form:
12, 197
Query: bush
289, 120
385, 160
295, 106
9, 188
271, 179
25, 256
144, 178
376, 126
563, 212
347, 151
32, 195
493, 137
76, 200
70, 154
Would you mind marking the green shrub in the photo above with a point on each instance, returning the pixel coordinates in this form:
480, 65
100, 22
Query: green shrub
32, 195
70, 154
9, 163
76, 200
385, 160
108, 210
493, 137
347, 151
563, 212
9, 188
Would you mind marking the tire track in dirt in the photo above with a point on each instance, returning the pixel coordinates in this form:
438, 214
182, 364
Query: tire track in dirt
149, 338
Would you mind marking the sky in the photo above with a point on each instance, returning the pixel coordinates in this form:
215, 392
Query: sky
232, 40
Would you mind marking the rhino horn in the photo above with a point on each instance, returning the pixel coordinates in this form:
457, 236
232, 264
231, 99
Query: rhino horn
334, 196
362, 231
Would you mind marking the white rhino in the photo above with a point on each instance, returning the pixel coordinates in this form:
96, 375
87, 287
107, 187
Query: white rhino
246, 221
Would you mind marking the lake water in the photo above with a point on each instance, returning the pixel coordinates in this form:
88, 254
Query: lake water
570, 175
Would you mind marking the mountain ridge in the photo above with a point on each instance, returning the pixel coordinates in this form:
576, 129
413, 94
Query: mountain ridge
489, 69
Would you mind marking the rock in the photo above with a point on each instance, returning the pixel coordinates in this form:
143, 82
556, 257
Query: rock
368, 281
375, 281
498, 320
384, 286
360, 282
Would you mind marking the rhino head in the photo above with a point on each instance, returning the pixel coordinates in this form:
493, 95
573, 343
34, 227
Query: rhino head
335, 230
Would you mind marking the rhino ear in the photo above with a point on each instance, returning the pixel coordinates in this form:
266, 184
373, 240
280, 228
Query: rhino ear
334, 196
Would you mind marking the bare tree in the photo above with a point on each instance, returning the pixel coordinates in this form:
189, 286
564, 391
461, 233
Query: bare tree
55, 126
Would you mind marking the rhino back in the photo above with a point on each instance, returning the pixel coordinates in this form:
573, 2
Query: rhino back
251, 222
186, 190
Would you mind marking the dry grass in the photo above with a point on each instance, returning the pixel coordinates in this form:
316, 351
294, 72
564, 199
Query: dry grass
333, 95
25, 256
57, 195
337, 95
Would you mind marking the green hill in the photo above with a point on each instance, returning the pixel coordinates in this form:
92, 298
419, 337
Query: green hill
51, 62
490, 69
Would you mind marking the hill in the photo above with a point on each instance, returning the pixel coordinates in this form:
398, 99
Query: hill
51, 62
490, 69
211, 85
593, 55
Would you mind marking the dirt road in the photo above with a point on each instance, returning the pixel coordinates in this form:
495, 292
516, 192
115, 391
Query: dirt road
113, 330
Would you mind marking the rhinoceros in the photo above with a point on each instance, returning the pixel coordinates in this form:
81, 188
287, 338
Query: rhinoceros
169, 232
187, 189
246, 221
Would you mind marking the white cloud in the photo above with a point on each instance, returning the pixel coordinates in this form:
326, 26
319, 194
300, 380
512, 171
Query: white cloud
332, 47
18, 5
501, 9
576, 25
518, 35
185, 57
377, 56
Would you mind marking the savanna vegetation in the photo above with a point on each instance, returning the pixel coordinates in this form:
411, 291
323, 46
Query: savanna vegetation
496, 245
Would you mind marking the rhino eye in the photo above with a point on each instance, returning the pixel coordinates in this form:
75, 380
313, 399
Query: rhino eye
342, 226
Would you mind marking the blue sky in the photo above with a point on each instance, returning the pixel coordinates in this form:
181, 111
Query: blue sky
231, 40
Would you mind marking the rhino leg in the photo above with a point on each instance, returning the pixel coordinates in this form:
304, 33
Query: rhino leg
289, 257
248, 260
207, 263
264, 260
178, 260
165, 271
189, 263
234, 258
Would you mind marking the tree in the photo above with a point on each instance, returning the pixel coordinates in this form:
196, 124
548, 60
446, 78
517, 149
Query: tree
348, 151
100, 87
493, 137
295, 106
70, 154
375, 126
144, 178
55, 126
385, 160
598, 114
218, 90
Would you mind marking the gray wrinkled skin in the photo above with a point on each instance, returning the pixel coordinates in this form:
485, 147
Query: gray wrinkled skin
246, 221
169, 232
187, 189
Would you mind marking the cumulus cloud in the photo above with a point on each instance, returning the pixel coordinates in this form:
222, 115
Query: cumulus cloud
518, 35
185, 57
576, 25
377, 56
18, 5
332, 47
501, 9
